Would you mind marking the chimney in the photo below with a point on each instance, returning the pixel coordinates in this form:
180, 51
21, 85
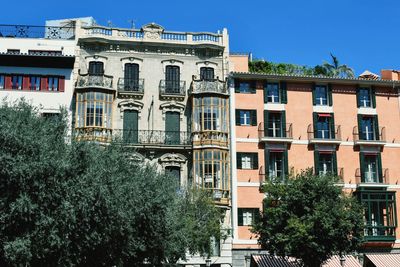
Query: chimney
390, 75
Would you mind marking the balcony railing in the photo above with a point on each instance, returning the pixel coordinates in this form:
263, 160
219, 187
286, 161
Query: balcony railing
88, 80
172, 88
29, 31
210, 138
265, 176
372, 136
372, 177
152, 137
379, 233
315, 133
275, 130
207, 86
134, 86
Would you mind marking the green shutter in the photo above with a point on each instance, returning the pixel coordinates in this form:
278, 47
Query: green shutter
237, 86
359, 120
266, 162
265, 92
283, 91
283, 121
130, 126
358, 97
330, 98
286, 164
373, 97
314, 126
316, 162
313, 94
266, 121
253, 116
237, 116
238, 160
253, 87
332, 126
362, 166
240, 217
254, 161
172, 128
380, 171
376, 125
334, 162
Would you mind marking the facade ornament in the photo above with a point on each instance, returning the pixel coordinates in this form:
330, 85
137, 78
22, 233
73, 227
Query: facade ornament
130, 104
173, 106
172, 159
152, 31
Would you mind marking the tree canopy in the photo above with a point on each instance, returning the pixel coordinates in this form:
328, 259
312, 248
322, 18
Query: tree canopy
67, 203
309, 218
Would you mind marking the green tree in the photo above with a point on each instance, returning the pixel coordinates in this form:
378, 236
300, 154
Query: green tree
66, 203
309, 218
335, 69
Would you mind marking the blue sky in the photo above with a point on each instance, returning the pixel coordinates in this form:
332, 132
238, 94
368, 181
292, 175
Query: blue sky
364, 34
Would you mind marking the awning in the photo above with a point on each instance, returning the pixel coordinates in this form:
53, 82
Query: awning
263, 260
383, 260
334, 261
324, 115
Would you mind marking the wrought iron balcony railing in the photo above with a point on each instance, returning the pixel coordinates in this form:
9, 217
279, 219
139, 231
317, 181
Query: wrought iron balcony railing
152, 137
275, 130
267, 176
130, 85
29, 31
319, 133
372, 177
371, 136
172, 88
208, 86
89, 80
375, 232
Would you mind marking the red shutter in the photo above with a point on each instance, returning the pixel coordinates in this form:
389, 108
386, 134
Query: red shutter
43, 83
8, 83
61, 84
25, 83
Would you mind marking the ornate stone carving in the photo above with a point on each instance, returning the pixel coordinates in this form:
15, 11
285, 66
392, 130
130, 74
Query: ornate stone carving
130, 104
152, 31
172, 106
172, 159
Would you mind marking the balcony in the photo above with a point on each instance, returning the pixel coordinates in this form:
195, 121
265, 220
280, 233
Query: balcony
94, 81
172, 90
265, 176
152, 138
44, 32
275, 132
379, 233
324, 136
374, 138
372, 178
130, 88
219, 196
215, 86
210, 138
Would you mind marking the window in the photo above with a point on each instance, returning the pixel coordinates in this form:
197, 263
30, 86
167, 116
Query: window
206, 73
2, 81
34, 83
210, 114
16, 82
364, 97
248, 216
379, 214
247, 160
131, 77
325, 162
324, 126
368, 127
272, 92
246, 117
371, 167
175, 172
94, 109
276, 164
96, 68
322, 95
52, 83
245, 87
172, 79
274, 124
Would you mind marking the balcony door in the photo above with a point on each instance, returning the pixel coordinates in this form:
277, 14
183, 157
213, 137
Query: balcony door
96, 68
172, 128
175, 172
131, 77
130, 125
367, 128
206, 74
172, 79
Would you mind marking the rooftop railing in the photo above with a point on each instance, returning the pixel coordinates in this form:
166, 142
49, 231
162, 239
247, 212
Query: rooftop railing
29, 31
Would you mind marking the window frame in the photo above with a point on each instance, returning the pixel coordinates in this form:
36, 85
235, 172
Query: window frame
254, 216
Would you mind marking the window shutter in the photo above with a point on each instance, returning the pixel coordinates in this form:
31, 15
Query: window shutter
61, 84
43, 84
240, 217
253, 87
373, 97
266, 122
330, 98
254, 161
316, 162
332, 125
362, 166
283, 91
25, 82
256, 215
314, 102
376, 125
237, 86
358, 97
283, 121
334, 162
237, 115
315, 119
359, 120
380, 171
238, 160
266, 163
7, 82
265, 92
286, 164
253, 116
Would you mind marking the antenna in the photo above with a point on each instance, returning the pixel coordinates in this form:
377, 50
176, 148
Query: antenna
109, 23
132, 22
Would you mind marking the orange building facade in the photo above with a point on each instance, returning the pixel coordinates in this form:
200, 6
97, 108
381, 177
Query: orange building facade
282, 124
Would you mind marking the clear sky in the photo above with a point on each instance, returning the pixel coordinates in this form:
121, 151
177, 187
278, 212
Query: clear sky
364, 34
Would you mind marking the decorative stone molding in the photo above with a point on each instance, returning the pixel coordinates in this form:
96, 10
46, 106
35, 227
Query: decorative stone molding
206, 63
136, 157
173, 106
152, 31
172, 62
134, 60
130, 104
172, 159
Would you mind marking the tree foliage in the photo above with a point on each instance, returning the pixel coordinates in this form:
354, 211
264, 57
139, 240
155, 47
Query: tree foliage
66, 203
309, 218
333, 69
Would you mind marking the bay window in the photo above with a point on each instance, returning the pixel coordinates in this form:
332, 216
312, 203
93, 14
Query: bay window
210, 114
93, 109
